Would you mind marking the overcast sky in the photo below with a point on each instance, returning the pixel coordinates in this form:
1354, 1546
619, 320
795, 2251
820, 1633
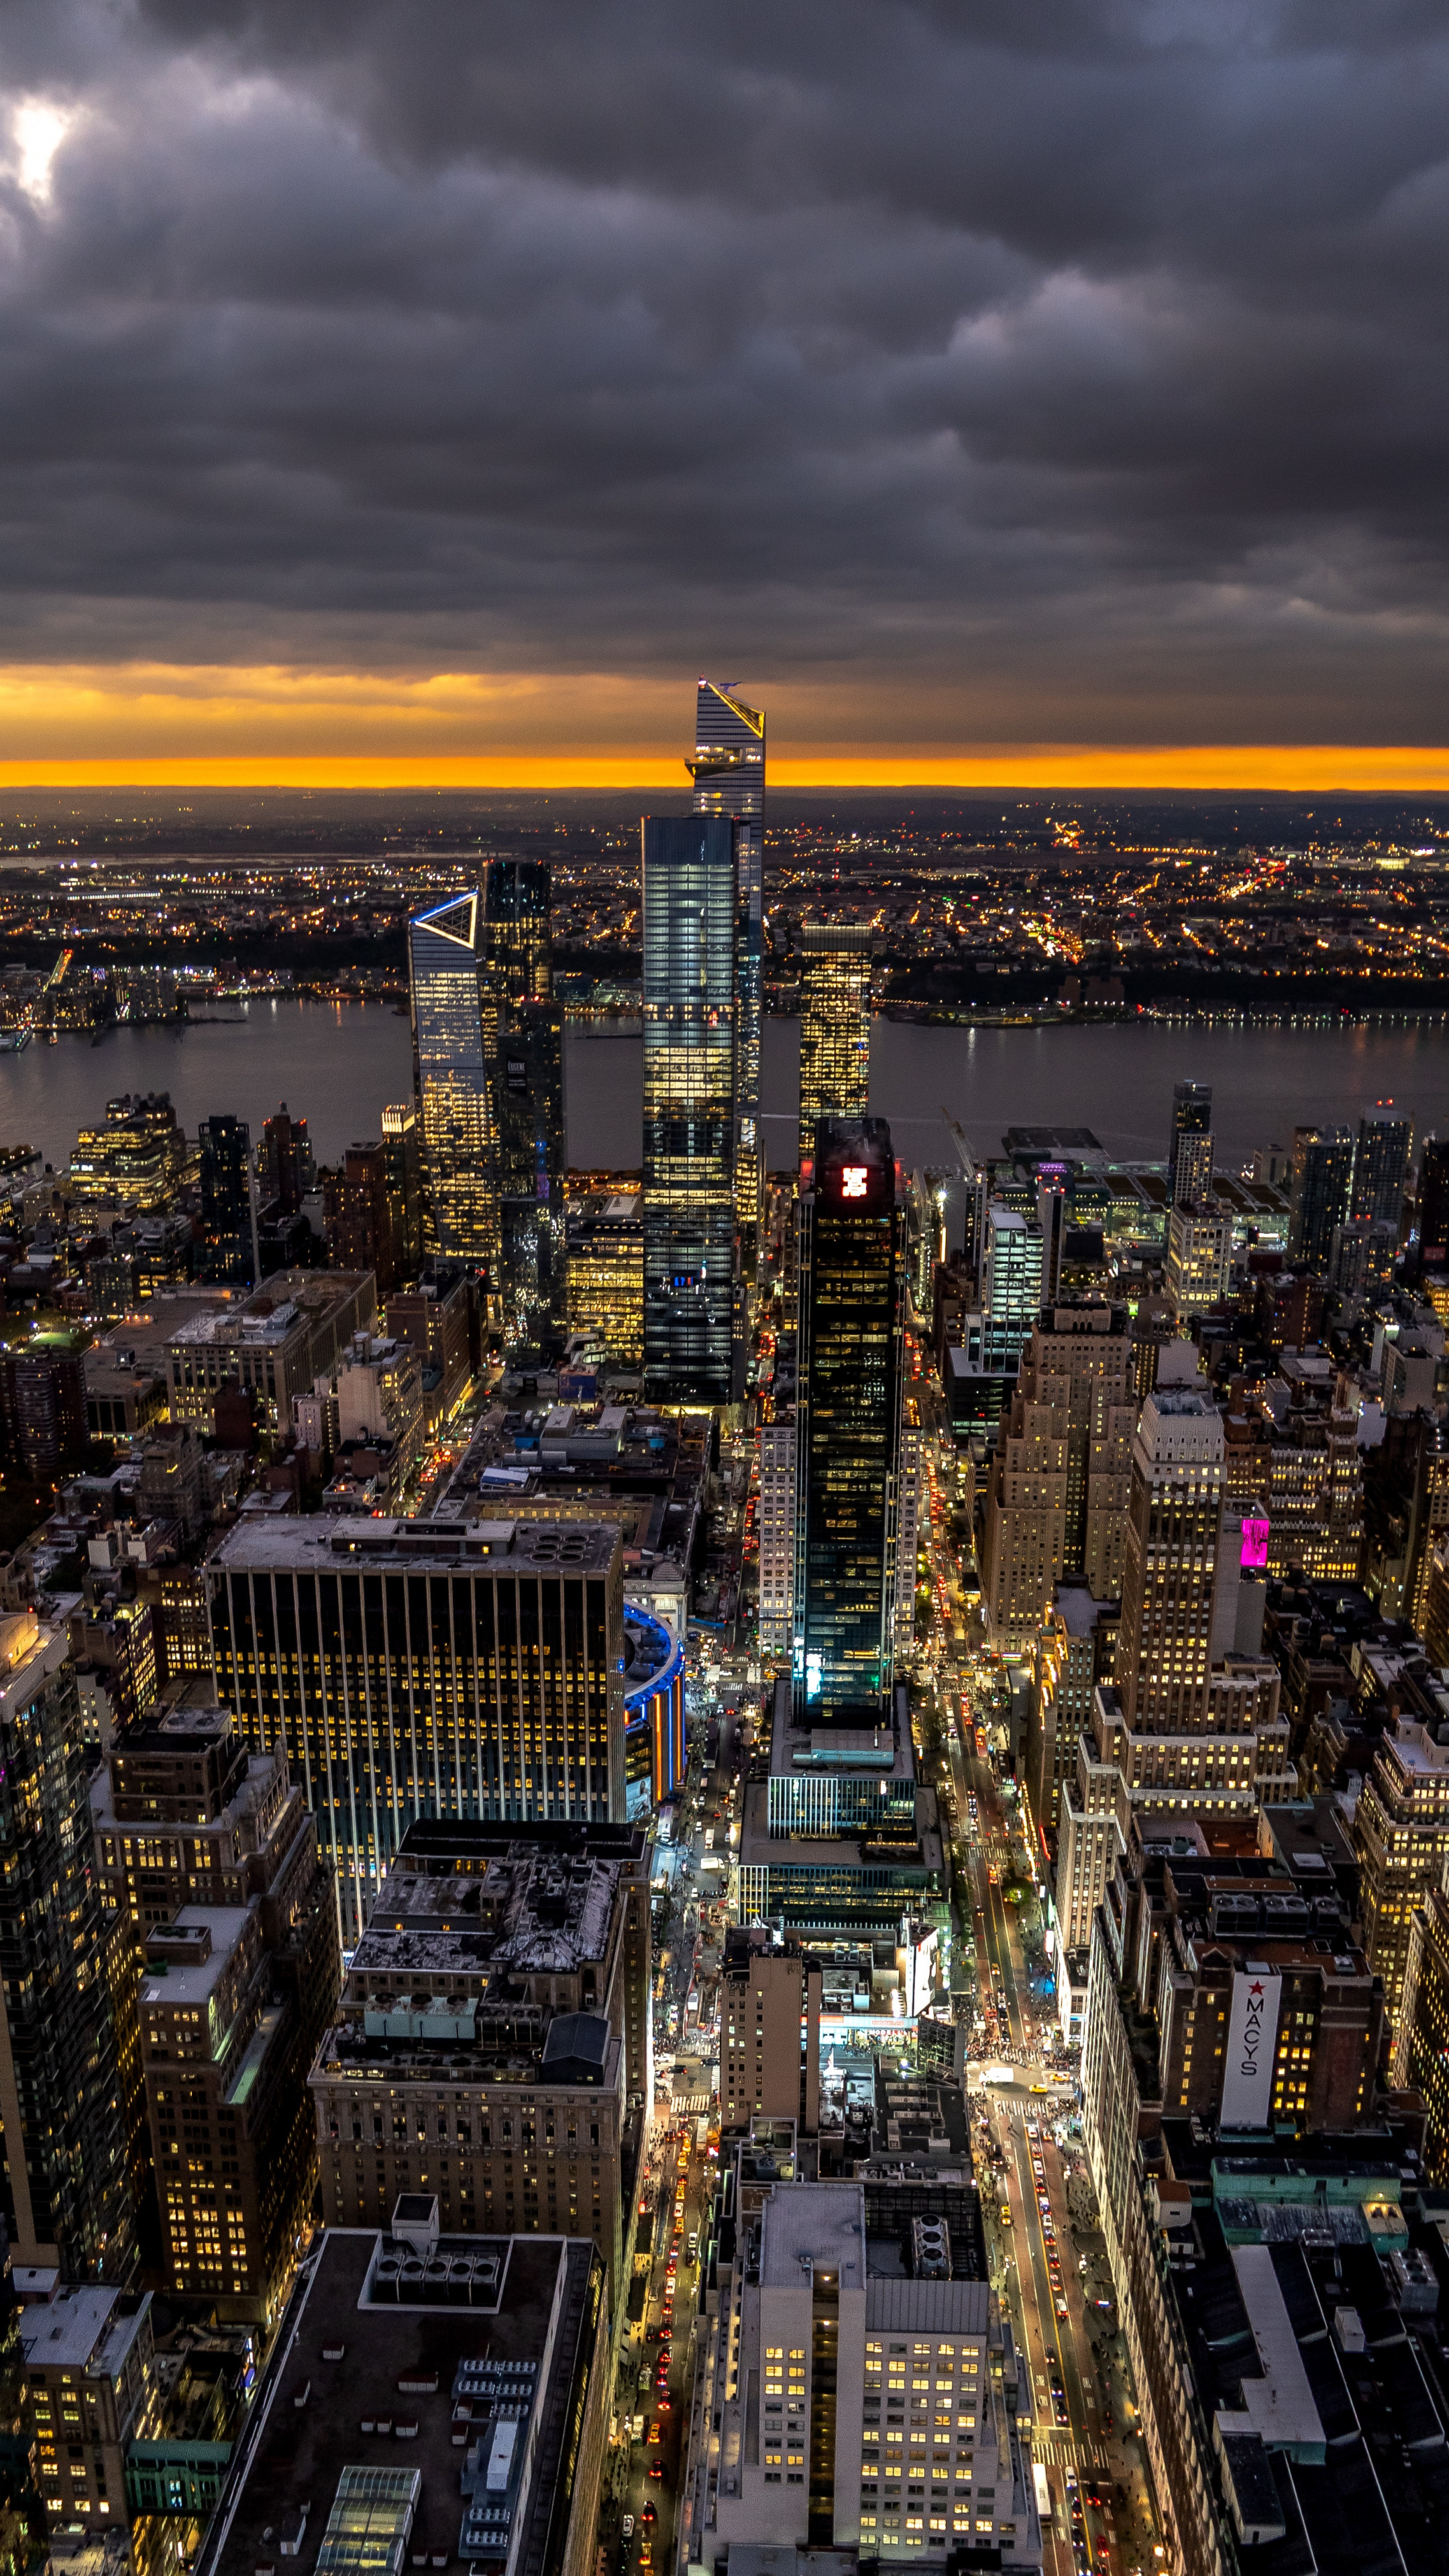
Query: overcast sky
976, 371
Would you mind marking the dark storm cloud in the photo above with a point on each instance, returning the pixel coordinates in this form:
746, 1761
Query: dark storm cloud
1067, 370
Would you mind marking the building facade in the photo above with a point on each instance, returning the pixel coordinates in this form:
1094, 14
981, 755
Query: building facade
426, 1669
67, 2200
1190, 1143
835, 978
690, 1003
728, 770
848, 1426
451, 1068
777, 1542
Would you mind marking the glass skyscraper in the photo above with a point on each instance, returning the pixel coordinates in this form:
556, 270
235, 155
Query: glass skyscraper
450, 1082
834, 1025
517, 949
1322, 1178
528, 1096
847, 1428
1190, 1145
690, 1000
523, 1045
728, 770
1381, 1160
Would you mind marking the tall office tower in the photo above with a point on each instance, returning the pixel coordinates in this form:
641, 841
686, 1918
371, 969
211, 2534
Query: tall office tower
226, 1203
1401, 1842
1190, 1145
1193, 1717
1318, 1191
529, 1164
1421, 2043
450, 1082
66, 2199
1012, 1266
285, 1168
769, 2019
1381, 1160
1079, 1358
777, 1542
690, 1000
1026, 1521
212, 1858
1431, 1211
517, 941
606, 1271
357, 1218
834, 1025
1199, 1263
1173, 1519
728, 770
910, 1484
848, 1427
428, 1668
404, 1184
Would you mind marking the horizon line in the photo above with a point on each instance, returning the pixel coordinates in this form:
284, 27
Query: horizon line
1244, 769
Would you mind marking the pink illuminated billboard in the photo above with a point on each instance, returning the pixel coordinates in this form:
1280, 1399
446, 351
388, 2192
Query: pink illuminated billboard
1254, 1558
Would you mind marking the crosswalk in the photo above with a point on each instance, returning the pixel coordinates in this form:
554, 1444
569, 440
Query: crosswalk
1059, 2451
691, 2104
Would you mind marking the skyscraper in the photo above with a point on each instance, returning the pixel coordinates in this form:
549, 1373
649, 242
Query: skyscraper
226, 1208
834, 1025
517, 948
529, 1162
65, 2190
404, 1183
1190, 1145
523, 1044
1319, 1191
1381, 1162
1012, 1284
426, 1669
690, 1002
728, 770
1432, 1206
1178, 1482
284, 1164
450, 1082
848, 1427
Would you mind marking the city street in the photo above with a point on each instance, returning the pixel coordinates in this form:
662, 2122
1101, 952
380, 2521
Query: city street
1046, 2256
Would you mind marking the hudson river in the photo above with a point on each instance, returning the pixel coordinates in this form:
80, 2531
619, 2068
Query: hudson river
336, 1066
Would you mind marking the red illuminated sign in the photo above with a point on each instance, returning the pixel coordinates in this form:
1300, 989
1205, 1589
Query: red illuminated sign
853, 1180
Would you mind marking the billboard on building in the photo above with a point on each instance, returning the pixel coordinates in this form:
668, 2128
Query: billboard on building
1248, 2063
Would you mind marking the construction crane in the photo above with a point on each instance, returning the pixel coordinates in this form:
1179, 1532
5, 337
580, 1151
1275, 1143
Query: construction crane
970, 1168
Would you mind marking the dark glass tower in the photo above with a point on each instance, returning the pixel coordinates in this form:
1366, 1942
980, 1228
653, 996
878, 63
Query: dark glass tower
1190, 1146
1381, 1162
226, 1218
65, 2197
529, 1096
728, 770
690, 994
517, 946
1318, 1191
1432, 1207
847, 1427
523, 1042
450, 1083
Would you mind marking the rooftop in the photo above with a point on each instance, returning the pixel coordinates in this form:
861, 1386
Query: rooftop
175, 1981
363, 2389
302, 1546
87, 2329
